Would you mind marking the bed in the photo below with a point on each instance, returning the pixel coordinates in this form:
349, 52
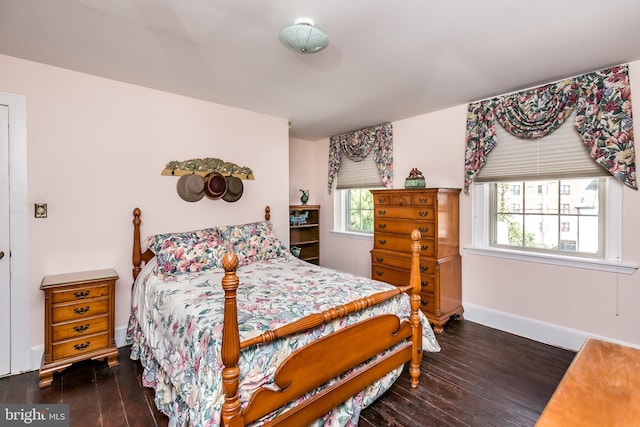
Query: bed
232, 329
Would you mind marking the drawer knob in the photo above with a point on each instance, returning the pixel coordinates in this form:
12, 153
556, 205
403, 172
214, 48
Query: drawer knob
424, 268
424, 247
422, 200
382, 199
382, 241
82, 347
379, 259
81, 328
81, 294
424, 284
423, 229
424, 303
382, 212
379, 273
382, 226
423, 213
81, 310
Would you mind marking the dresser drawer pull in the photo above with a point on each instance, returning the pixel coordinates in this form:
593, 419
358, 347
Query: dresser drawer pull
424, 268
424, 247
379, 259
382, 212
382, 241
424, 303
81, 310
423, 213
423, 229
380, 273
421, 200
81, 328
382, 226
382, 199
81, 294
82, 347
424, 284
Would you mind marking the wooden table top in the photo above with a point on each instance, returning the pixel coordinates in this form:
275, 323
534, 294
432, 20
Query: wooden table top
600, 388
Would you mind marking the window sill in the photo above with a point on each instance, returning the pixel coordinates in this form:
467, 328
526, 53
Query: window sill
352, 235
584, 263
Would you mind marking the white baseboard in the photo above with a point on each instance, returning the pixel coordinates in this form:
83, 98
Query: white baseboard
547, 333
120, 334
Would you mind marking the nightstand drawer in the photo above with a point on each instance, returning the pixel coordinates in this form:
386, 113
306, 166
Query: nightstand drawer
78, 293
64, 312
82, 327
80, 346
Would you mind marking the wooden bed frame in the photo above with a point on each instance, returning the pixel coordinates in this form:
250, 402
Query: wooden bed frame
320, 361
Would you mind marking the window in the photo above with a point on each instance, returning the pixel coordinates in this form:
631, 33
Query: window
353, 200
559, 212
360, 210
544, 222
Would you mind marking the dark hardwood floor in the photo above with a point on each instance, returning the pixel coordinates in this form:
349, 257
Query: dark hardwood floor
482, 377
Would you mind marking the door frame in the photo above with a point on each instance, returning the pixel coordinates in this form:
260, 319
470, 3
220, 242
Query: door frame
18, 228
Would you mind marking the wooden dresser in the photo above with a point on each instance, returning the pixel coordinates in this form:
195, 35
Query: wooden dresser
435, 213
79, 311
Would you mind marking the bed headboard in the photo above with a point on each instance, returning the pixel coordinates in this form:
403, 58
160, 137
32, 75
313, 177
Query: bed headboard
138, 256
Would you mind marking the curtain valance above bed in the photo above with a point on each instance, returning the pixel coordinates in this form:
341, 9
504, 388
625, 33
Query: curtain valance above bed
602, 100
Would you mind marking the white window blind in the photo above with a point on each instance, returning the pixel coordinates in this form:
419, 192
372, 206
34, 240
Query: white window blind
362, 174
560, 154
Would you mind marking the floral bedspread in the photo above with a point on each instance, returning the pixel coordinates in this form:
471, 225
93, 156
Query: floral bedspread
175, 330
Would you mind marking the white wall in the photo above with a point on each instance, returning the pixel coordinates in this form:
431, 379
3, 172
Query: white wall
96, 148
554, 304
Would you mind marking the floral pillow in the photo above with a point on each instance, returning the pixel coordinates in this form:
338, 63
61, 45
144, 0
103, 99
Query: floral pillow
252, 242
186, 252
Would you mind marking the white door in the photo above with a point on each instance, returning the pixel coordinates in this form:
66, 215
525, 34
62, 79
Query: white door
5, 293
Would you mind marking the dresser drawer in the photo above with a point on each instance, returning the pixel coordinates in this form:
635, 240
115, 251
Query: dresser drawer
79, 328
428, 302
402, 243
406, 213
401, 277
79, 346
402, 261
404, 227
62, 312
79, 293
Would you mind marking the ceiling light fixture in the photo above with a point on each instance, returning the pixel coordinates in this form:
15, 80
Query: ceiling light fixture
303, 37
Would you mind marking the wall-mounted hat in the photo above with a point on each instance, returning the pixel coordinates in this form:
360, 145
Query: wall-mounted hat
190, 187
215, 185
234, 189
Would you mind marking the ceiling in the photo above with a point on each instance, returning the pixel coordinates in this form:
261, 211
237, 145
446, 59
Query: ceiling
386, 60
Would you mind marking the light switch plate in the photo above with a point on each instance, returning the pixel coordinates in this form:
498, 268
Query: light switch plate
40, 210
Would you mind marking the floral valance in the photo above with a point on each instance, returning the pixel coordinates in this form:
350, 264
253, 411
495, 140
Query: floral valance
604, 121
357, 145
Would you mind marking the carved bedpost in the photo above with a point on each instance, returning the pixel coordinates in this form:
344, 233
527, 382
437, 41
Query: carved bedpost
267, 213
231, 413
414, 319
136, 257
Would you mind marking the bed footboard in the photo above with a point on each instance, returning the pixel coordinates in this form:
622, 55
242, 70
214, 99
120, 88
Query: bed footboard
319, 362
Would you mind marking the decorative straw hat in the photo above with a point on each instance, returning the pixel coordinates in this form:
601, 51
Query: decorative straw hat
190, 187
215, 185
234, 189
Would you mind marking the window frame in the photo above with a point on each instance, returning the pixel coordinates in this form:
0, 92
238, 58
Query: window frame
610, 261
341, 214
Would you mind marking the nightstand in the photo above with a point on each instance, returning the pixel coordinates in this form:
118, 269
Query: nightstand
79, 311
